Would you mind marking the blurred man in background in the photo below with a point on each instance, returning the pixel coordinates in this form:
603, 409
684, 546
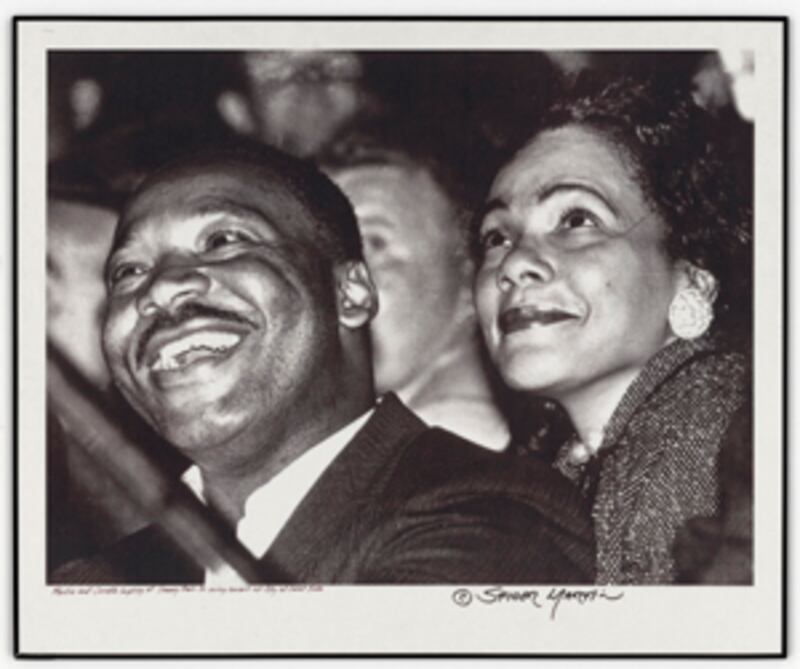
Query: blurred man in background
296, 100
413, 217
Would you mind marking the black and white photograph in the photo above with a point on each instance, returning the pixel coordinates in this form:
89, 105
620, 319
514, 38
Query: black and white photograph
472, 329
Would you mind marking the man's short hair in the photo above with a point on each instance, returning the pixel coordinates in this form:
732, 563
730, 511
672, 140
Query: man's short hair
335, 224
397, 143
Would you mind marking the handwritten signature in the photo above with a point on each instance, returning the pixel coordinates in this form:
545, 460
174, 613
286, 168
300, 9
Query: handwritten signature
535, 597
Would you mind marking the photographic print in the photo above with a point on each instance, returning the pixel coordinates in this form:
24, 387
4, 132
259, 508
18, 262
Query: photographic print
468, 328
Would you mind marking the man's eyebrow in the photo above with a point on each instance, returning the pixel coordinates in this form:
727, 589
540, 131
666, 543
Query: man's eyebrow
119, 242
230, 208
203, 210
549, 190
207, 209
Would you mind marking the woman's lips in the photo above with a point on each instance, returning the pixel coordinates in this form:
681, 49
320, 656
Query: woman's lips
522, 318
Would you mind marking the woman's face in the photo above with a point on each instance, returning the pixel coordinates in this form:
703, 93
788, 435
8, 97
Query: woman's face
575, 285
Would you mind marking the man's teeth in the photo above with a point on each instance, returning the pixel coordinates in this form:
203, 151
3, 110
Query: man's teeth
178, 353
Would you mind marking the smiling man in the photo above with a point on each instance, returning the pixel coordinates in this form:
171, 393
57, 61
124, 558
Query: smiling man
237, 326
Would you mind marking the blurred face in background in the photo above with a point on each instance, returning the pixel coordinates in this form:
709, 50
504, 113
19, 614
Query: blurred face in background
78, 240
302, 98
412, 244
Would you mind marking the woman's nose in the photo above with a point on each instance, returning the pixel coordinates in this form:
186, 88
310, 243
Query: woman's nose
522, 266
171, 287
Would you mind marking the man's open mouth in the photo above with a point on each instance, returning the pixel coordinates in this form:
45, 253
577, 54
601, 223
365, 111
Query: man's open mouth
522, 318
193, 347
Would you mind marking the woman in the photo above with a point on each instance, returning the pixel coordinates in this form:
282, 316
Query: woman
615, 279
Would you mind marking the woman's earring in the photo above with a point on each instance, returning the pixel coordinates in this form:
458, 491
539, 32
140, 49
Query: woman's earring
690, 313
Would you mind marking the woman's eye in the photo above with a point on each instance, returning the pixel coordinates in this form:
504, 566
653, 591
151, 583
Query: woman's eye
374, 244
578, 218
493, 238
222, 238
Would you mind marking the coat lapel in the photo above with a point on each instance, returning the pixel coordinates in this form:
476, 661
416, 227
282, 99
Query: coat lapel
316, 540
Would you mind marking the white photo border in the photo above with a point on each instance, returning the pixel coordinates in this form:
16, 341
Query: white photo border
347, 620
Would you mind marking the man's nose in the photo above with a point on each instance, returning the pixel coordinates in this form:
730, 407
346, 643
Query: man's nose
171, 286
523, 265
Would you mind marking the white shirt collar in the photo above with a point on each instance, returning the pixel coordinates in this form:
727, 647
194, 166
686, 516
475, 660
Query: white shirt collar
269, 507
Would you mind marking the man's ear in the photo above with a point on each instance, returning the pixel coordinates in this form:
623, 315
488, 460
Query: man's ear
356, 297
700, 279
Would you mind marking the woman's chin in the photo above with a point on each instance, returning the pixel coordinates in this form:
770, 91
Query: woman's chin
532, 374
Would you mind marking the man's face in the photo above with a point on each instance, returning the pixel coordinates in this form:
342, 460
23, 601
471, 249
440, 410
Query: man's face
412, 247
221, 308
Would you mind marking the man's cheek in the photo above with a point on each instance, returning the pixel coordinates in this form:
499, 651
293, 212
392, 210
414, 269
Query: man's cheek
115, 347
120, 374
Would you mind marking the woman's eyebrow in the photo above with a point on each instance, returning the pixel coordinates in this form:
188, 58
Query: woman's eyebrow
489, 206
376, 222
550, 190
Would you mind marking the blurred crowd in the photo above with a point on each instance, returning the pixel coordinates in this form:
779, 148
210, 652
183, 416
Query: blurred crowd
412, 138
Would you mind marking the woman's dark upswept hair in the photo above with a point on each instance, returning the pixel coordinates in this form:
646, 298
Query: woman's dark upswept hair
673, 151
670, 143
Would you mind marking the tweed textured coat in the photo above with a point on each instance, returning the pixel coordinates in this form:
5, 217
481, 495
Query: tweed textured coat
657, 468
